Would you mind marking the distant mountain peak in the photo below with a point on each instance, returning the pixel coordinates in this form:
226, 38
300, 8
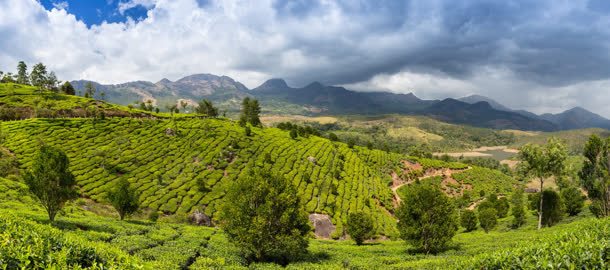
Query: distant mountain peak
274, 83
200, 77
314, 85
472, 99
164, 81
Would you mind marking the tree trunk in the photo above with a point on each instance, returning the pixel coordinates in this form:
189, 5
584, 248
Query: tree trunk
540, 206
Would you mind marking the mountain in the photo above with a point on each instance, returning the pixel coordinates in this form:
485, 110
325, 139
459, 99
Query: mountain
220, 89
333, 99
277, 97
472, 99
484, 115
577, 118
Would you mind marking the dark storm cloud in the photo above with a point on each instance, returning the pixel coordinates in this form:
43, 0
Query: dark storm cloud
547, 42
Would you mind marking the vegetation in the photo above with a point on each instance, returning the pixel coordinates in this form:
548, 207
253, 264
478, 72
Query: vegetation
468, 220
123, 198
206, 107
264, 218
552, 209
543, 162
360, 226
250, 112
595, 174
50, 179
258, 186
427, 218
488, 218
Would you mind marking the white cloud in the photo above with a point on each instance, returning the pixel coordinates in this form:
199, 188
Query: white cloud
123, 6
61, 5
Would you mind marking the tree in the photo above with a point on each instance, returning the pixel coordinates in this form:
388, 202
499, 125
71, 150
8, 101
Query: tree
360, 226
517, 211
50, 179
67, 89
468, 220
7, 78
263, 216
595, 175
552, 208
502, 207
333, 137
293, 134
573, 200
38, 76
22, 73
248, 131
89, 90
51, 82
427, 218
543, 162
250, 111
123, 198
488, 218
206, 107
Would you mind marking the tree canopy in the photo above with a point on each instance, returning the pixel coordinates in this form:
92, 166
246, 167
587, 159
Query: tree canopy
50, 179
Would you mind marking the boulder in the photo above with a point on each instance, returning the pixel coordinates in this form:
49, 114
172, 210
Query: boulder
323, 226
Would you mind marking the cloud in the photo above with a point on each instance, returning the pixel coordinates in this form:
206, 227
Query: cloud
532, 54
61, 5
123, 6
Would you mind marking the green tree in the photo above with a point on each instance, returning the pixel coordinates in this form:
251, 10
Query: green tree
293, 134
123, 198
360, 226
595, 174
543, 162
468, 220
206, 107
427, 218
248, 131
502, 207
250, 112
22, 73
573, 200
67, 89
263, 216
488, 218
50, 179
333, 137
518, 211
553, 206
38, 76
51, 82
90, 90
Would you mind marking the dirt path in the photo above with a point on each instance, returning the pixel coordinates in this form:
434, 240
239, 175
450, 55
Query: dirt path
475, 204
398, 183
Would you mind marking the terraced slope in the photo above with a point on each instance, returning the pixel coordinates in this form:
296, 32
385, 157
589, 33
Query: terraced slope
176, 174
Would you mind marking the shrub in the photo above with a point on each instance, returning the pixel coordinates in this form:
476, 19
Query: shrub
153, 216
359, 226
552, 207
293, 134
468, 220
263, 217
573, 200
427, 218
518, 211
488, 218
123, 198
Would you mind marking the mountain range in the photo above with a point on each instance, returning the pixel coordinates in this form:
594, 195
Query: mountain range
315, 98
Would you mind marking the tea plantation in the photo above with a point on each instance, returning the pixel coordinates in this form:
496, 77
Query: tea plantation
181, 163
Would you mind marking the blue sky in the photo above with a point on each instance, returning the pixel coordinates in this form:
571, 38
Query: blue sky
97, 11
538, 55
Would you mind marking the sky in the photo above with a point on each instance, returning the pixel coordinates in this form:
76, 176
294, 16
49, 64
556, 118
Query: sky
538, 55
